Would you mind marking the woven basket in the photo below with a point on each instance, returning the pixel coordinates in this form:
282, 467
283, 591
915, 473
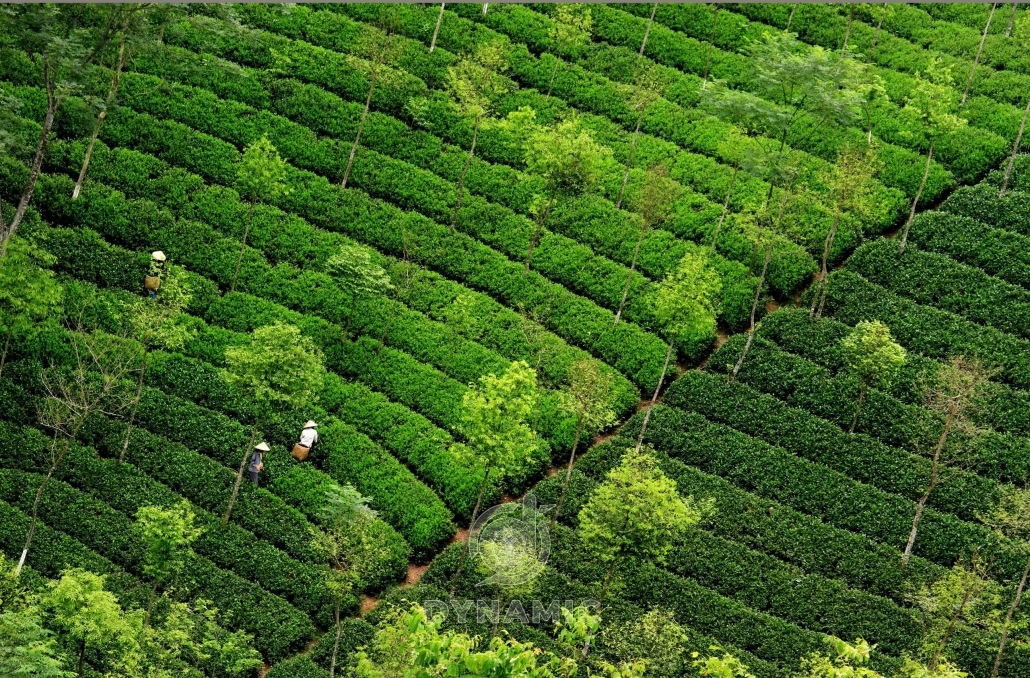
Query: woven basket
152, 283
300, 453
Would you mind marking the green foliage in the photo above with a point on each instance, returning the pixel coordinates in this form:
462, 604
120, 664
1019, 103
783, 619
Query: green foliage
932, 103
27, 648
566, 155
724, 666
589, 397
871, 355
655, 638
571, 27
637, 512
167, 536
262, 172
849, 661
685, 302
280, 367
476, 82
81, 608
495, 415
352, 267
162, 321
28, 292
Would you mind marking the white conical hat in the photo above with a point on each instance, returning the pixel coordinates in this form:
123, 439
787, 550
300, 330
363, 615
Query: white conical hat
310, 424
262, 446
158, 256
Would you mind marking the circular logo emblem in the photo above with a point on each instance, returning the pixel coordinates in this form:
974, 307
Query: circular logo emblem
512, 542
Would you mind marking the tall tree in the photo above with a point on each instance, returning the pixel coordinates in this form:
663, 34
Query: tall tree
588, 397
649, 85
167, 535
733, 150
647, 31
852, 192
436, 31
685, 305
636, 512
462, 321
408, 272
1023, 34
46, 33
1011, 519
354, 270
570, 161
261, 176
1012, 17
279, 368
475, 84
979, 50
930, 103
28, 292
133, 31
711, 46
844, 44
849, 661
955, 394
82, 609
92, 385
494, 418
159, 321
378, 45
570, 29
542, 347
872, 357
654, 202
655, 638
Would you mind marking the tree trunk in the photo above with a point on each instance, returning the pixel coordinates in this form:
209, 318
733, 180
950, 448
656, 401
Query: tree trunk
820, 291
239, 474
35, 511
243, 245
926, 495
629, 157
100, 118
861, 397
711, 46
976, 60
82, 655
647, 32
754, 309
432, 45
386, 328
1008, 620
364, 114
936, 662
725, 209
536, 233
464, 170
135, 405
150, 604
632, 267
350, 316
1015, 150
915, 201
600, 603
790, 19
844, 45
472, 523
554, 72
7, 343
37, 162
336, 642
654, 397
568, 471
1008, 34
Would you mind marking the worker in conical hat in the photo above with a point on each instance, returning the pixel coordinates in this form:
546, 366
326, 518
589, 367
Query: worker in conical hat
308, 437
257, 461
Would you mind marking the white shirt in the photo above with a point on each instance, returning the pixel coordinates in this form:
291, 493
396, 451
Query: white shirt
308, 437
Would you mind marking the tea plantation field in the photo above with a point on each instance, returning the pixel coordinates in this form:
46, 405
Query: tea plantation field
788, 246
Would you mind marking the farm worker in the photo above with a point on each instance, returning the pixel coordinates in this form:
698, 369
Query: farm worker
308, 437
257, 462
157, 267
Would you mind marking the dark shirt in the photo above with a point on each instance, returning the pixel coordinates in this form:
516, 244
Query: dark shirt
255, 459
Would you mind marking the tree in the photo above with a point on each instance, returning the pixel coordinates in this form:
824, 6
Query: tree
930, 103
726, 665
85, 612
461, 319
979, 50
160, 321
436, 31
353, 269
261, 176
852, 190
570, 161
494, 414
280, 367
406, 279
654, 203
27, 647
542, 347
649, 84
647, 31
954, 394
134, 30
347, 547
475, 83
47, 35
872, 357
570, 29
167, 535
1011, 519
844, 44
655, 637
1023, 33
711, 45
512, 566
378, 46
735, 151
636, 512
849, 661
685, 305
590, 398
92, 385
28, 292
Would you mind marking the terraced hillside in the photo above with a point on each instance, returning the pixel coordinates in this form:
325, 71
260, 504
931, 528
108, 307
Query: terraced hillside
811, 510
